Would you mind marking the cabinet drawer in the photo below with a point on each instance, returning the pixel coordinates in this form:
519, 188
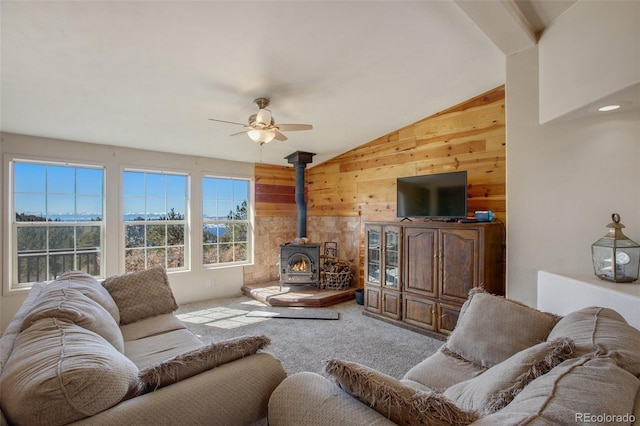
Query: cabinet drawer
419, 311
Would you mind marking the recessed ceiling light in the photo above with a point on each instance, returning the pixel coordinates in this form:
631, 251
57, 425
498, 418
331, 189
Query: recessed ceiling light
611, 107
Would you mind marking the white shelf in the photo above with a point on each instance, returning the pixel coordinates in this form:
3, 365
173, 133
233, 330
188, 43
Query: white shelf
563, 294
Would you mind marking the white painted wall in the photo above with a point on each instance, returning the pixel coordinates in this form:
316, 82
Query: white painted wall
564, 180
188, 286
589, 52
563, 294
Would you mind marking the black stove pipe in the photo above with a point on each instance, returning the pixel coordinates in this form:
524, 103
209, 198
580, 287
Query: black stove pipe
300, 201
300, 160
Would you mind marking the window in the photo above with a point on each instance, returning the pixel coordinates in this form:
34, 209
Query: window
155, 223
225, 221
57, 220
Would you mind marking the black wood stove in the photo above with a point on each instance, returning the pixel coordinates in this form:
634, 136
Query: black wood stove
299, 264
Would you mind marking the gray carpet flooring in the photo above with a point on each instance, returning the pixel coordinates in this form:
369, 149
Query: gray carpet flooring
305, 344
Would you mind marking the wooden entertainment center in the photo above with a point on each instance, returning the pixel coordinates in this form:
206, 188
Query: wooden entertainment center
418, 275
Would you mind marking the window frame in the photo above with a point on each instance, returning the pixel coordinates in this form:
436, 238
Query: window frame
14, 225
186, 222
248, 222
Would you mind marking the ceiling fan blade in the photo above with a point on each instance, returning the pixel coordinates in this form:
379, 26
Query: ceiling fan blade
230, 122
279, 136
239, 133
293, 127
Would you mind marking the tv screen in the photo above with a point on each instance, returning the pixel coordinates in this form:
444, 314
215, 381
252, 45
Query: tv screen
440, 195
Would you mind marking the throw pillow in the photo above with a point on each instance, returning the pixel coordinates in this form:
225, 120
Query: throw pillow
602, 332
196, 361
141, 295
493, 328
400, 403
71, 305
496, 387
59, 373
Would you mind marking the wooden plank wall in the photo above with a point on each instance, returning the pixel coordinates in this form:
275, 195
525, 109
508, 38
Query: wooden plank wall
362, 182
469, 136
275, 191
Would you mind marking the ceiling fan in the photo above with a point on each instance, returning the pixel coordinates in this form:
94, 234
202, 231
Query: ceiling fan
261, 128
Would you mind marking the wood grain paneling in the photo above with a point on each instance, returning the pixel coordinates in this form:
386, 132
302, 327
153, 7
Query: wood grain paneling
274, 191
469, 136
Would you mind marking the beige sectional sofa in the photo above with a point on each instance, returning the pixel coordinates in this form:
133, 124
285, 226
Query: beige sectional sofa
504, 364
112, 353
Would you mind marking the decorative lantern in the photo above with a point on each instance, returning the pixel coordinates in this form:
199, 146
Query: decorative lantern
615, 257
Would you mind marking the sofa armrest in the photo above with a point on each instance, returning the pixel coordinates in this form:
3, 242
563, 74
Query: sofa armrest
235, 393
10, 334
311, 400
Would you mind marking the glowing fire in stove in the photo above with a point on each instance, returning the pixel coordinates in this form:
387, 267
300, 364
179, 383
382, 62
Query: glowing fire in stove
300, 266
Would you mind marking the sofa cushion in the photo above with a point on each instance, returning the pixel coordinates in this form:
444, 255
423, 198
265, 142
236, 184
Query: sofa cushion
442, 369
142, 294
198, 360
493, 328
90, 287
155, 349
400, 403
306, 398
151, 326
496, 387
69, 304
417, 386
602, 332
576, 388
59, 372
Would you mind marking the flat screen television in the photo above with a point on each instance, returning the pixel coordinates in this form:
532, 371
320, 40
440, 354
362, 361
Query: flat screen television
439, 195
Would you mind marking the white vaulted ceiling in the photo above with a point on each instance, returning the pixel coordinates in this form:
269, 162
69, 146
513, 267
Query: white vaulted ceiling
149, 74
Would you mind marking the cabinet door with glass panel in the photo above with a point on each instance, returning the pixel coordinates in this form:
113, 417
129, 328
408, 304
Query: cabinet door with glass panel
382, 255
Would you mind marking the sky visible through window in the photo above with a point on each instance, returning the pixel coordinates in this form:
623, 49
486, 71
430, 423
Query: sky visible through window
68, 193
222, 197
63, 193
153, 196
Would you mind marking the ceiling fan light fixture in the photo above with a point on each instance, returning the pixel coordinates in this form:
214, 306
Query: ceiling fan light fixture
263, 117
262, 135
